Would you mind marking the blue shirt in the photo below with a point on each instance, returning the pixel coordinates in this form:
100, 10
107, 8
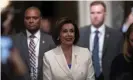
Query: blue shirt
69, 65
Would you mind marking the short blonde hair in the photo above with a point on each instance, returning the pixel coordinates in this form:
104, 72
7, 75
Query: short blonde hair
97, 3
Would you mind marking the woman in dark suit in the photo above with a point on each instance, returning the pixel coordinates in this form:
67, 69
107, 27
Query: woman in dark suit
122, 66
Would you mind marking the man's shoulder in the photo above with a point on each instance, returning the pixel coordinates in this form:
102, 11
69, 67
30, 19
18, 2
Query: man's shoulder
84, 28
114, 31
45, 35
49, 39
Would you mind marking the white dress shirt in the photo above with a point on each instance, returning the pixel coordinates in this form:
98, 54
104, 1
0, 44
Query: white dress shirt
37, 43
101, 34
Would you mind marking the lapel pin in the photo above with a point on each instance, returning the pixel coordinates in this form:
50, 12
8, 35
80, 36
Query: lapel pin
43, 42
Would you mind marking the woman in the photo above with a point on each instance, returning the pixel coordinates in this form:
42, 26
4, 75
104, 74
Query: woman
67, 61
122, 66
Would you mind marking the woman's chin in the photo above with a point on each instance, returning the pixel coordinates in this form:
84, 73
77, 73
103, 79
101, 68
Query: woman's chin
69, 43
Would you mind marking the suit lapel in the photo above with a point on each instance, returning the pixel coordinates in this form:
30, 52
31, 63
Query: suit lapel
106, 38
42, 48
61, 61
75, 59
25, 47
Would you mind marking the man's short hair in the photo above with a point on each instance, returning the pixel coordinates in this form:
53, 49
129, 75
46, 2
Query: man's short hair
34, 8
97, 3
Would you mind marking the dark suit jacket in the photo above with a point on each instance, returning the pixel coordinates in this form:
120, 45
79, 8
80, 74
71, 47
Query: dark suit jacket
121, 69
46, 43
113, 42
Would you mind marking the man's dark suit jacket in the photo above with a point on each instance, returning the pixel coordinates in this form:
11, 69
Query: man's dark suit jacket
113, 41
20, 42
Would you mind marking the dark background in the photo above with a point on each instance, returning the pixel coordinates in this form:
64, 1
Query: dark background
52, 10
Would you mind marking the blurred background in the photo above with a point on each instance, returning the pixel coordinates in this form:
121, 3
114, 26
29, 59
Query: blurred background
117, 12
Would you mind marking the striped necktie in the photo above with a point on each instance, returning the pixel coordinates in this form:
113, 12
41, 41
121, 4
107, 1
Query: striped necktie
32, 58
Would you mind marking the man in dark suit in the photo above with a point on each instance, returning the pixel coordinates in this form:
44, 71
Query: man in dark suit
105, 43
32, 43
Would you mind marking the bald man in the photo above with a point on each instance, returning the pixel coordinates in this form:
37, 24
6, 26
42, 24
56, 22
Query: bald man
32, 43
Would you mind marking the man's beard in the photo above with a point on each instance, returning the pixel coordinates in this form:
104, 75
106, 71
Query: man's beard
98, 25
